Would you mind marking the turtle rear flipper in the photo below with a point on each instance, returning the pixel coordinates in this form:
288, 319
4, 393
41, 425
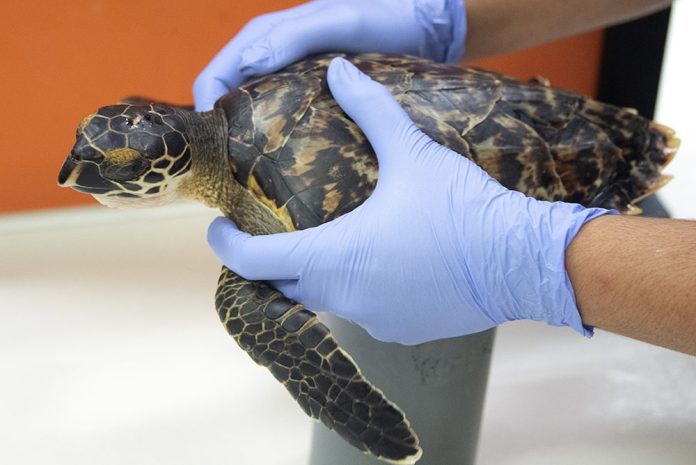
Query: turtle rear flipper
300, 352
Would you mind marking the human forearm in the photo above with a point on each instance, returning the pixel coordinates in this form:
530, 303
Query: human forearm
501, 26
637, 277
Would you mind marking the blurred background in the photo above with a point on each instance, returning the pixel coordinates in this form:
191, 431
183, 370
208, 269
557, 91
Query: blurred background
110, 351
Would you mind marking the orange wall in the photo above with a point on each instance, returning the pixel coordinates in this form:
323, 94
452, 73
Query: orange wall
62, 60
572, 63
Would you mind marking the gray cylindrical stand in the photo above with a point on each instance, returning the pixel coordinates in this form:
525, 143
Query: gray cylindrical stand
440, 386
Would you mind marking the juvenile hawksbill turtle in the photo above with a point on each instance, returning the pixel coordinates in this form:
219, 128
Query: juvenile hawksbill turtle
278, 154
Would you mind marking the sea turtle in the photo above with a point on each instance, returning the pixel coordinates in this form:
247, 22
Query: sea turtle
278, 154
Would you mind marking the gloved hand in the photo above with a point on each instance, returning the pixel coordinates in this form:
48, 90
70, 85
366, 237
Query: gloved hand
440, 249
429, 28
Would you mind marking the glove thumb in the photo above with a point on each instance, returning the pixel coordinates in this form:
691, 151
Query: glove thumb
268, 258
374, 110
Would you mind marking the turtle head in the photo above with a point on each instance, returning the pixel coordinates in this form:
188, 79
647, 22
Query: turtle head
129, 155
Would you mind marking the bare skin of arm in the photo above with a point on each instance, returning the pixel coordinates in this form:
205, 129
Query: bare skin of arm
637, 277
502, 26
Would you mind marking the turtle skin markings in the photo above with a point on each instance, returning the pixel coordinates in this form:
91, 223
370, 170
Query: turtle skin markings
301, 353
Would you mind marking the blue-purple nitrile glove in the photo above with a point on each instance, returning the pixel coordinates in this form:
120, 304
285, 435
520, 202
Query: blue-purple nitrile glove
440, 249
432, 29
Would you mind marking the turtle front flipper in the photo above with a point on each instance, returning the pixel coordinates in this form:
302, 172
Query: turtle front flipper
299, 350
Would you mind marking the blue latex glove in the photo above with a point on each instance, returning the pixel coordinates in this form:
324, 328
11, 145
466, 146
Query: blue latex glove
440, 249
429, 28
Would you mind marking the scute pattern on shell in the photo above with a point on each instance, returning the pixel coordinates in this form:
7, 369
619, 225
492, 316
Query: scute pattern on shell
301, 353
290, 136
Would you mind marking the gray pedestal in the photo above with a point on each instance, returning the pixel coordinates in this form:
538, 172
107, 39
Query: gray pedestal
440, 386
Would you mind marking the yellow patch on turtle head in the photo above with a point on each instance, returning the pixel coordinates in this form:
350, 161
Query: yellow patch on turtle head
121, 155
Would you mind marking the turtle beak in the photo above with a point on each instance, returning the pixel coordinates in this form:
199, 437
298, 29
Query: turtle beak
68, 173
84, 176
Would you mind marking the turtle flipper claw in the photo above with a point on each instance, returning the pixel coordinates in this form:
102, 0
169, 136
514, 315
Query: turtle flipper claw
300, 352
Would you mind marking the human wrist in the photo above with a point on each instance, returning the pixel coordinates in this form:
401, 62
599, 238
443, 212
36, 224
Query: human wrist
444, 27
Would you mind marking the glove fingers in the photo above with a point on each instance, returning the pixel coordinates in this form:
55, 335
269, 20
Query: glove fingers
386, 125
325, 27
272, 257
288, 287
223, 72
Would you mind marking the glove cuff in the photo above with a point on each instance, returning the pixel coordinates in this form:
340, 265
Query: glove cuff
444, 26
561, 302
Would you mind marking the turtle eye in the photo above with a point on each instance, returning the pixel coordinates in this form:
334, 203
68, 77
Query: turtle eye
125, 171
